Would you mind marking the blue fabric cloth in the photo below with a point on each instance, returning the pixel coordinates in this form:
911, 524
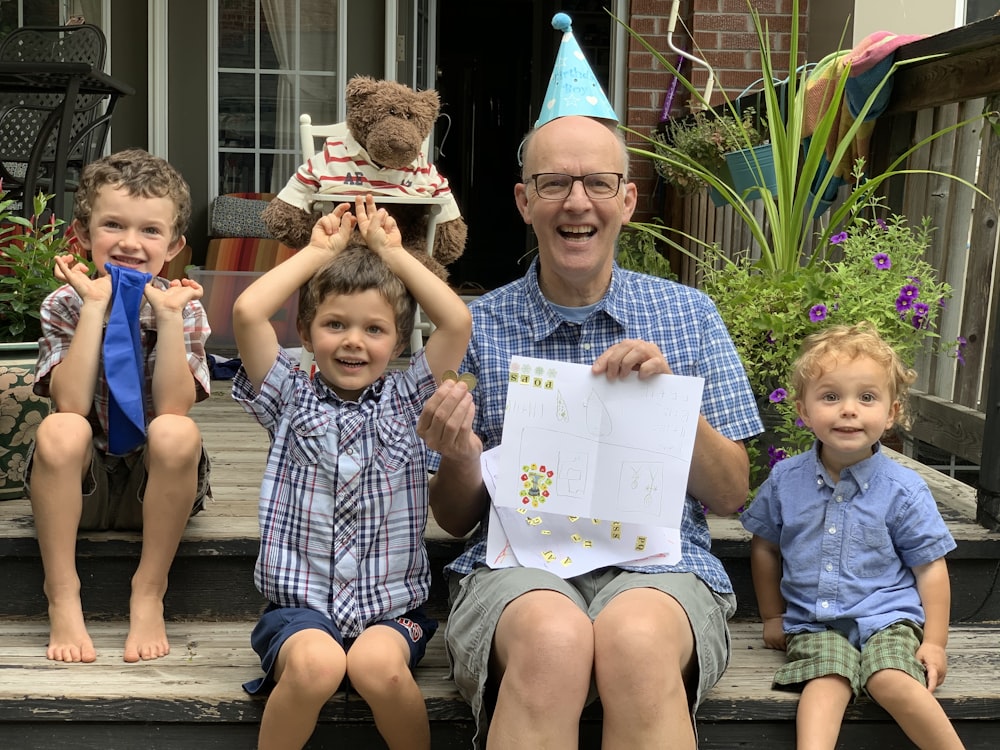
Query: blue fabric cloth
848, 547
683, 322
123, 361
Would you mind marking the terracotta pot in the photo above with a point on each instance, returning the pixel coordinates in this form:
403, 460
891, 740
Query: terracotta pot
21, 411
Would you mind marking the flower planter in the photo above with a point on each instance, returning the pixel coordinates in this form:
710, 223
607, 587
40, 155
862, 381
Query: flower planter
718, 199
752, 169
21, 411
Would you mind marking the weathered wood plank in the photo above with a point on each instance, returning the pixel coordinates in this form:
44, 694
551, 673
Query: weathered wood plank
201, 679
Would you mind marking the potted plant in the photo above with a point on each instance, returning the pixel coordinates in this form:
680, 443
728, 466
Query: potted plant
28, 248
875, 272
714, 142
775, 292
781, 231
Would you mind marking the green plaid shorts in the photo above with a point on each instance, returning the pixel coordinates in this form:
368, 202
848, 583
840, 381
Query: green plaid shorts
812, 655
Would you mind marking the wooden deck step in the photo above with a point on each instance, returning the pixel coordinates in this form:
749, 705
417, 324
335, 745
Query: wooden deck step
211, 576
195, 694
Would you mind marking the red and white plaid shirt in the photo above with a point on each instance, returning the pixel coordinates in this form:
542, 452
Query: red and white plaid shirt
60, 316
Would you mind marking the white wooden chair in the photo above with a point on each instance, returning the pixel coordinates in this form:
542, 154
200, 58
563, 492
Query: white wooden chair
312, 138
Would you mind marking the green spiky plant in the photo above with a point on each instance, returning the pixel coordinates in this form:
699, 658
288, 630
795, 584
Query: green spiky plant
782, 230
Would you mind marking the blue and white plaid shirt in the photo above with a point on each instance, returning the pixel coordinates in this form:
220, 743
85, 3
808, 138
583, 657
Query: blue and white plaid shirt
343, 503
518, 320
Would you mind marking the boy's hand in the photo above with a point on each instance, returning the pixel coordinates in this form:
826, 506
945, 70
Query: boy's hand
377, 227
935, 662
333, 230
77, 275
774, 633
174, 298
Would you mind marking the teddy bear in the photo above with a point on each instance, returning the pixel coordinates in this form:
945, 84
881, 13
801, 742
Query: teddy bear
387, 123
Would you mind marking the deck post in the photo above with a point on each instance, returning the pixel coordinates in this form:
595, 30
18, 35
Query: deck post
988, 494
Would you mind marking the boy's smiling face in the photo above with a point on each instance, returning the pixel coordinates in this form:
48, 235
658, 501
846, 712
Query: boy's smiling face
353, 337
849, 407
130, 231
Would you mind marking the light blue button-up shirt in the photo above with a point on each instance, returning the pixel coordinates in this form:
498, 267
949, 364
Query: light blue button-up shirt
848, 547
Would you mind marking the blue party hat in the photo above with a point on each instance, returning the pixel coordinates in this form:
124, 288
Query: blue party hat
573, 88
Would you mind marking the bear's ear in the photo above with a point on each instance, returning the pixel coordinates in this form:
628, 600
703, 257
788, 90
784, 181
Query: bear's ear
359, 88
426, 106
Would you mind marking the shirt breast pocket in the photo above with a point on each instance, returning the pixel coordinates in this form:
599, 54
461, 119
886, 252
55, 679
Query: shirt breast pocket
870, 551
307, 438
396, 441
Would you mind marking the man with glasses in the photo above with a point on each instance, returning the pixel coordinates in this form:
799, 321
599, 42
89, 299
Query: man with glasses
527, 647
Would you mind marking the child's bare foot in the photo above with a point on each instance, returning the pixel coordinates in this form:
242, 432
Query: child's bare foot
69, 640
147, 633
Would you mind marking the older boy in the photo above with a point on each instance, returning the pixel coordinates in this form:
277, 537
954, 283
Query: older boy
130, 212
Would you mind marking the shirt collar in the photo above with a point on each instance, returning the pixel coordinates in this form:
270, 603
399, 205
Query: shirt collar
614, 303
861, 472
325, 393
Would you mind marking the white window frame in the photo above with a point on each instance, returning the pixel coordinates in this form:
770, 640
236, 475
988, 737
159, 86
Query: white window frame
213, 91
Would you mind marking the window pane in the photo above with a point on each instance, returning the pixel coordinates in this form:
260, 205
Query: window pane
236, 173
236, 34
274, 41
237, 110
319, 98
269, 124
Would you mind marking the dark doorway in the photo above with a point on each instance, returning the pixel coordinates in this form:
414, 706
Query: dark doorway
494, 63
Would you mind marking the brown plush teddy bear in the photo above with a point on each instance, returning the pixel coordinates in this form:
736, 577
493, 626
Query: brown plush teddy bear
381, 154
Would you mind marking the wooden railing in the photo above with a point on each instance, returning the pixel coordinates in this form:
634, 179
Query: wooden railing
961, 80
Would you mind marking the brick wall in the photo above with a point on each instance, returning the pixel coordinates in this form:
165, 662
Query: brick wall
724, 37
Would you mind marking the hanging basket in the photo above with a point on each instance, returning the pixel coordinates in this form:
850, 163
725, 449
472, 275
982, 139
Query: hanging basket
752, 169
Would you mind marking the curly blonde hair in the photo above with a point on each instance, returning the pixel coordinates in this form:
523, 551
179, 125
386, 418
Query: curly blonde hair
140, 174
851, 342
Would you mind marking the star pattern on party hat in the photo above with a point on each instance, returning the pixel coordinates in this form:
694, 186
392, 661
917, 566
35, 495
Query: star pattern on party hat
573, 88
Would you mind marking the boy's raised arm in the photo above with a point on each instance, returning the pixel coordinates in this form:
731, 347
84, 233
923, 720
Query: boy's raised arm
446, 346
252, 311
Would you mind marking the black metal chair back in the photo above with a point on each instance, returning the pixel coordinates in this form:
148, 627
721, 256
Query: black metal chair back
25, 118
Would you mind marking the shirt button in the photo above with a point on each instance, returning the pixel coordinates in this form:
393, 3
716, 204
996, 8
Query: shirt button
825, 605
829, 566
833, 529
840, 498
819, 481
586, 347
864, 486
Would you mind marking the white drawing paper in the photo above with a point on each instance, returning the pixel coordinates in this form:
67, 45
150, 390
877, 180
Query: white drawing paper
589, 472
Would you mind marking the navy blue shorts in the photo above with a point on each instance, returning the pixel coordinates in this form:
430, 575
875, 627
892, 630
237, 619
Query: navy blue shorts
278, 624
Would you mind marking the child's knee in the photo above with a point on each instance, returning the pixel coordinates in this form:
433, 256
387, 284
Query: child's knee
174, 438
890, 685
63, 438
312, 665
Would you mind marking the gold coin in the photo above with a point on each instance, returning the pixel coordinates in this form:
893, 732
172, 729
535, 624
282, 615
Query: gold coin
469, 379
449, 375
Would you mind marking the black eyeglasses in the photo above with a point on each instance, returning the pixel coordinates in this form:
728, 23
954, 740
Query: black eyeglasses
599, 186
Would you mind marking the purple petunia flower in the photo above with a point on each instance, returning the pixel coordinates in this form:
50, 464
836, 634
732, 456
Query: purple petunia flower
919, 308
817, 313
882, 261
918, 321
881, 224
910, 291
960, 344
914, 280
903, 304
776, 454
838, 238
778, 395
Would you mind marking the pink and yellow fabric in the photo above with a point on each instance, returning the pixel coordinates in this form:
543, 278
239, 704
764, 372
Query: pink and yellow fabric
869, 63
